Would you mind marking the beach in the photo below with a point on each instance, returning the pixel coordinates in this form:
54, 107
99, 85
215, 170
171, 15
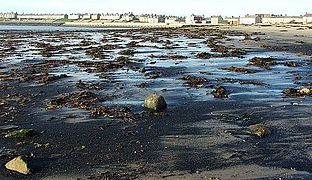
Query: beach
81, 92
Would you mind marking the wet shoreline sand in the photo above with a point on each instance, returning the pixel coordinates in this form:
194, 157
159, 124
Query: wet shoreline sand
198, 137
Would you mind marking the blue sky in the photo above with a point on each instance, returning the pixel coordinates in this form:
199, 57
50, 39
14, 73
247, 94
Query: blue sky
174, 7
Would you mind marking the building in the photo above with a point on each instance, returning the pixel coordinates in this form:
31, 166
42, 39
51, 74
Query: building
127, 17
86, 16
74, 16
274, 19
151, 18
95, 16
143, 18
10, 15
42, 16
307, 19
111, 17
216, 20
156, 19
233, 21
195, 19
172, 20
250, 19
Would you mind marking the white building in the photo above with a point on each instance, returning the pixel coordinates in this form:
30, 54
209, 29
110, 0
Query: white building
307, 19
273, 19
95, 16
250, 19
151, 18
111, 17
74, 16
143, 18
174, 20
86, 16
234, 21
127, 17
216, 20
171, 20
42, 16
10, 15
195, 19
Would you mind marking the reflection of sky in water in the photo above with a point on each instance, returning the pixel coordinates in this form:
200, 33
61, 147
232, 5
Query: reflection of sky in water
168, 84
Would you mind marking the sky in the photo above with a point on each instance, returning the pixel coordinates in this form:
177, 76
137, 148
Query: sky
168, 7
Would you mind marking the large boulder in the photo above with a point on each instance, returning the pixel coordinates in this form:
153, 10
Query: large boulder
155, 102
258, 130
18, 164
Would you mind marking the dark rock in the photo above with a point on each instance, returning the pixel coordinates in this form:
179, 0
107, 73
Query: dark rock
192, 81
262, 62
220, 92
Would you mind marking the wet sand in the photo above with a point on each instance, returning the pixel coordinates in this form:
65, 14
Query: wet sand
293, 38
199, 136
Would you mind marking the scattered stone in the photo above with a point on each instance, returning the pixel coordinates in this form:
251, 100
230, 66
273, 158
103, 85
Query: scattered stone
155, 102
204, 55
247, 37
142, 85
237, 52
123, 113
133, 44
239, 70
23, 133
242, 81
87, 86
169, 56
258, 130
257, 39
220, 92
122, 59
265, 63
80, 100
301, 92
3, 103
142, 70
220, 49
96, 53
127, 52
195, 82
292, 64
153, 74
47, 78
300, 42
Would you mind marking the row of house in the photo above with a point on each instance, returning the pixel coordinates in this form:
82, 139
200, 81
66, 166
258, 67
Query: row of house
112, 17
266, 19
153, 18
10, 15
42, 16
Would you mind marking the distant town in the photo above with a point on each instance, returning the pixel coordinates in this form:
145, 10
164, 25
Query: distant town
106, 18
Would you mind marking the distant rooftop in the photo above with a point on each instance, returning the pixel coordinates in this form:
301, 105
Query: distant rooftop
308, 15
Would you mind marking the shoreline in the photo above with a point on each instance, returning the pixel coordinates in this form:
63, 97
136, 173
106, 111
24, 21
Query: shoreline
92, 25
